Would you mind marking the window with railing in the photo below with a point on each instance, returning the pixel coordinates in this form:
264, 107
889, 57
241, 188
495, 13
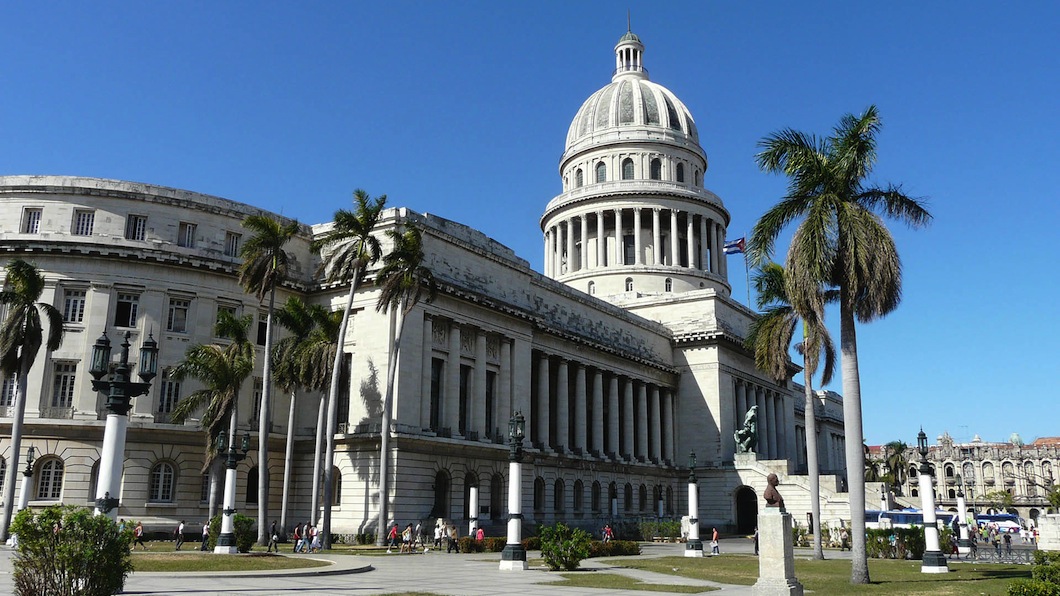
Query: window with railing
83, 222
31, 220
63, 388
74, 305
136, 227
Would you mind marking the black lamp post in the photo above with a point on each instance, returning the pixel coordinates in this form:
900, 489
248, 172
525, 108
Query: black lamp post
934, 561
226, 541
694, 546
27, 480
513, 557
120, 390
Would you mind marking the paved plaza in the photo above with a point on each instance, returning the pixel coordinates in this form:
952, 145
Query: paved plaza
435, 572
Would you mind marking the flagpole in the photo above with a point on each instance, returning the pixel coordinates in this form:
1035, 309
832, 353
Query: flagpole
747, 279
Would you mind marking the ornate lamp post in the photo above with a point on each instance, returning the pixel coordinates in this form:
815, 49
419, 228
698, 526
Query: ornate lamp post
964, 547
27, 480
120, 390
226, 541
934, 561
513, 557
694, 546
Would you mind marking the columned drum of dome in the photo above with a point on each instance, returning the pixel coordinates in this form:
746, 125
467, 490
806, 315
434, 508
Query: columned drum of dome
634, 219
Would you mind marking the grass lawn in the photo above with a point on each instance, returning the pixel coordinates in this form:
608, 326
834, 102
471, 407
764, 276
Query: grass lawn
176, 562
612, 581
833, 576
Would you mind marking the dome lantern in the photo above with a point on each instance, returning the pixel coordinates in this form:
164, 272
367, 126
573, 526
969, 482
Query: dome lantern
629, 57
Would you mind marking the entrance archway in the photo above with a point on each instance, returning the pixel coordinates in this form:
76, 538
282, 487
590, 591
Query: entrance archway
441, 495
746, 510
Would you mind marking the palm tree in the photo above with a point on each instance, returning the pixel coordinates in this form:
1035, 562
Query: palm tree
303, 360
20, 340
264, 267
405, 281
769, 337
843, 243
221, 369
350, 248
896, 463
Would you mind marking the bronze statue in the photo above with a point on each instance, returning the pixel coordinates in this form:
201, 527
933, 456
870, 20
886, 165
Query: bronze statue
747, 436
772, 495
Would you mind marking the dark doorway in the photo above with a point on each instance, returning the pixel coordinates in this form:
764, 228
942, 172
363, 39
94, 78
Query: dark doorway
441, 495
746, 510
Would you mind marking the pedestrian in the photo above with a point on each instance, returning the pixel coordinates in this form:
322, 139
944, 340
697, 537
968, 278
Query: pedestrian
480, 534
297, 537
714, 550
1008, 543
608, 533
138, 535
121, 526
406, 539
844, 539
205, 535
179, 533
392, 538
437, 536
274, 540
417, 535
756, 541
314, 540
453, 544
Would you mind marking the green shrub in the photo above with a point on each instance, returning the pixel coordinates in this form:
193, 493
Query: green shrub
908, 543
1046, 557
614, 548
1032, 587
563, 547
532, 543
68, 550
242, 527
1047, 573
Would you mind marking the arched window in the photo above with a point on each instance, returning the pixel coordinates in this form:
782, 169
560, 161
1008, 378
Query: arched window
594, 497
579, 493
592, 288
50, 479
948, 470
579, 178
93, 482
559, 495
627, 505
668, 285
441, 495
643, 498
627, 169
336, 487
539, 494
988, 473
655, 169
601, 172
629, 284
951, 493
680, 172
698, 178
252, 486
163, 483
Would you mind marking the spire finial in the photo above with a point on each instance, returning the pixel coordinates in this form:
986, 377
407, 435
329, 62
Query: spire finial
629, 28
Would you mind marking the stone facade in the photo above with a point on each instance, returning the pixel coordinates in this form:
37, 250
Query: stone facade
618, 380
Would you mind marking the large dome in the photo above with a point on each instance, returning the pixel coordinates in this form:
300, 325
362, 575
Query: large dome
631, 101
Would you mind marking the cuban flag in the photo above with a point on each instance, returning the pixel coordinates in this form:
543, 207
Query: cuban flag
735, 247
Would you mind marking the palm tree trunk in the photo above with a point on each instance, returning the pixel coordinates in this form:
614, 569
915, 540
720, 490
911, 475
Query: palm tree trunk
318, 455
855, 454
812, 468
288, 464
216, 471
333, 415
17, 420
264, 420
384, 431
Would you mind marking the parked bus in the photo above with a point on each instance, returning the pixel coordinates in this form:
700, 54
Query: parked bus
1006, 522
876, 519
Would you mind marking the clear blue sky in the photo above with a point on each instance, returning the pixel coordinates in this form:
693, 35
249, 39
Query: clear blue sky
461, 109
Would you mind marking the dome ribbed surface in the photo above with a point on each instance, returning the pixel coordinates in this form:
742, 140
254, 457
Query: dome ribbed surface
631, 102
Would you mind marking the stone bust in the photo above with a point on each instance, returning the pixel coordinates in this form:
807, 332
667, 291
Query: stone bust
772, 495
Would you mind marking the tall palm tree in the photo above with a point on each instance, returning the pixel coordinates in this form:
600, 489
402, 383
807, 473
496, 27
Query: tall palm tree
221, 369
843, 243
21, 338
349, 248
303, 359
770, 337
896, 462
264, 266
405, 280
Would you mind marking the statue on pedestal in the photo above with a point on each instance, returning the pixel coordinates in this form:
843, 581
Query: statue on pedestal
747, 435
772, 495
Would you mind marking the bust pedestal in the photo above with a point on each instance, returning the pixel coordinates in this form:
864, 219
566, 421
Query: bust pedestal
776, 559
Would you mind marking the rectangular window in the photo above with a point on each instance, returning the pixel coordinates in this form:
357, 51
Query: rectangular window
125, 310
232, 244
259, 389
204, 489
491, 398
63, 392
74, 306
136, 227
186, 235
465, 397
177, 321
437, 373
263, 327
31, 220
7, 393
169, 396
83, 220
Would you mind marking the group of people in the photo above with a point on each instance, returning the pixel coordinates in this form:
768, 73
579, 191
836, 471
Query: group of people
413, 539
306, 538
139, 534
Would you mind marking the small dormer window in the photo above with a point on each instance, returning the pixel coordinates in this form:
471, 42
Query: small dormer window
601, 172
629, 284
627, 169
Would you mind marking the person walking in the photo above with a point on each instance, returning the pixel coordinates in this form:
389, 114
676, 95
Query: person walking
714, 550
392, 538
480, 534
756, 540
453, 541
179, 532
437, 536
274, 540
205, 535
138, 535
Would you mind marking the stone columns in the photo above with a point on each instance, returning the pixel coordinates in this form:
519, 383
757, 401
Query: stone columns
451, 407
619, 259
541, 429
583, 221
547, 263
691, 240
638, 258
612, 417
505, 407
641, 442
601, 240
425, 372
598, 412
667, 424
706, 251
627, 418
562, 406
655, 452
741, 403
771, 415
478, 407
656, 237
570, 246
675, 258
579, 409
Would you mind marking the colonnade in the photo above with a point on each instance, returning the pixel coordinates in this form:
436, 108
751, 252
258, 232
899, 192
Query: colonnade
585, 410
773, 420
674, 238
